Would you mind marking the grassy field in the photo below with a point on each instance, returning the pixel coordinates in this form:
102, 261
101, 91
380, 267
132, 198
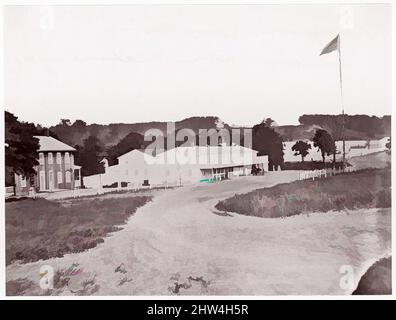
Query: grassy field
41, 229
374, 160
362, 189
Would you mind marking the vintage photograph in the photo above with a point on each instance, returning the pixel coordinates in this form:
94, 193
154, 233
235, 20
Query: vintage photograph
197, 150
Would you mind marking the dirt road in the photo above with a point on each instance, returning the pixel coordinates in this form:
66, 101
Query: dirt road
178, 245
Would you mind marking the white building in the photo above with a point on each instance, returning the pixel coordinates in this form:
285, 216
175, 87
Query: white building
55, 170
179, 166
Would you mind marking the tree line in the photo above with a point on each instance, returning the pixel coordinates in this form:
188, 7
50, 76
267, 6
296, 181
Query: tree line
371, 126
21, 146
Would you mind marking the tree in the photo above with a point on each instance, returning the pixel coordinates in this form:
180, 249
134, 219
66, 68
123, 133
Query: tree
43, 131
324, 142
65, 122
20, 146
357, 127
301, 148
268, 142
335, 126
89, 156
268, 122
64, 131
79, 125
130, 142
219, 124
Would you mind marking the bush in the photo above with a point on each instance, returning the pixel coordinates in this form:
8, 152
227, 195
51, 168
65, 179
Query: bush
362, 189
377, 279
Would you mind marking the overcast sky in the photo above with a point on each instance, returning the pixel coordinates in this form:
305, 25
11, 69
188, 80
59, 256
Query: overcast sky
241, 63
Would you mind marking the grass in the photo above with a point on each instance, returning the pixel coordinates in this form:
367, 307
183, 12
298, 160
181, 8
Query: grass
41, 229
372, 160
362, 189
19, 287
310, 165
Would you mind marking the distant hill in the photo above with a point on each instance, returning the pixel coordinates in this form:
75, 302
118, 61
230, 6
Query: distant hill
357, 127
112, 134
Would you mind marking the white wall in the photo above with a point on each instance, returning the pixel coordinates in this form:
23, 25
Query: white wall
133, 168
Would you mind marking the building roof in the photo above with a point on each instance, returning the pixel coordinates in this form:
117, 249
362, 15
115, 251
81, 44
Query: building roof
129, 153
52, 144
212, 156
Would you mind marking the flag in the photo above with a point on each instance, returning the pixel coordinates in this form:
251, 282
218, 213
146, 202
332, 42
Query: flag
332, 46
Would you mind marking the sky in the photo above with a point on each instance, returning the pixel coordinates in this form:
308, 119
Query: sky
112, 64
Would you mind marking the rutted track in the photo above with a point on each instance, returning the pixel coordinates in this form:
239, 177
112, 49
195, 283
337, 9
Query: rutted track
176, 244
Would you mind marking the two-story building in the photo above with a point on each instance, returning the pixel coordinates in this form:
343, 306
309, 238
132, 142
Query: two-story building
56, 169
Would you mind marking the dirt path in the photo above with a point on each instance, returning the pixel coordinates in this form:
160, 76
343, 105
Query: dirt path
177, 245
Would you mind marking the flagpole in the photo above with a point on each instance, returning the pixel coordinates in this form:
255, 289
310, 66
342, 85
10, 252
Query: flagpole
342, 103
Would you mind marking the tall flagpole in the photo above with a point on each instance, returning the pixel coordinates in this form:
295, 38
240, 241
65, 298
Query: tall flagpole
342, 103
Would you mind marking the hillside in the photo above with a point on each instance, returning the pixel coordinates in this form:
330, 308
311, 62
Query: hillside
290, 133
113, 133
358, 127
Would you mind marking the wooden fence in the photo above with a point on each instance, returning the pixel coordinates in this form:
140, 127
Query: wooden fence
323, 173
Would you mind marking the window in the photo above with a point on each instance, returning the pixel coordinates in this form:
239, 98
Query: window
51, 181
67, 157
50, 159
59, 177
23, 181
58, 158
42, 180
72, 159
41, 158
136, 173
68, 177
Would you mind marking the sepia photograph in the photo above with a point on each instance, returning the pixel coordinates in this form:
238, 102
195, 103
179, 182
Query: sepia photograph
197, 150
